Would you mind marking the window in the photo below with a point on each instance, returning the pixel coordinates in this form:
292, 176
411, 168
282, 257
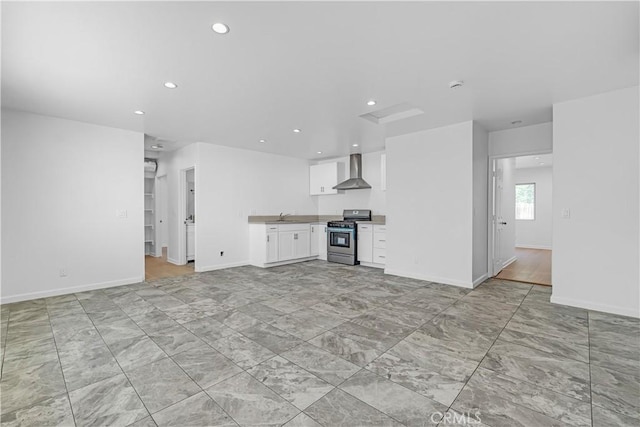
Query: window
526, 201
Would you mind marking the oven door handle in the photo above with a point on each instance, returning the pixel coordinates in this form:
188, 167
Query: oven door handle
340, 230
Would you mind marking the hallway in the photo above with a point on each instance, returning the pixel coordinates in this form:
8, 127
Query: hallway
159, 268
531, 266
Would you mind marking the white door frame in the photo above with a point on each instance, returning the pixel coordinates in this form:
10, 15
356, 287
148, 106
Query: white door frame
161, 213
491, 205
182, 215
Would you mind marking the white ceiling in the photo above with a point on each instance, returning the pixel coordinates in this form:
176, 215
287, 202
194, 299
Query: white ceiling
310, 65
538, 161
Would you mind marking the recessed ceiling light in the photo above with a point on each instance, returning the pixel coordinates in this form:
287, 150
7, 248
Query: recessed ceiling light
516, 122
156, 147
220, 28
138, 112
262, 140
354, 145
297, 130
371, 102
170, 85
456, 84
319, 152
537, 158
541, 163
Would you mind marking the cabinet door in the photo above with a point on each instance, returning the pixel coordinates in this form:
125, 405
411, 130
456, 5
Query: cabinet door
314, 248
322, 242
322, 178
286, 248
365, 246
272, 247
301, 244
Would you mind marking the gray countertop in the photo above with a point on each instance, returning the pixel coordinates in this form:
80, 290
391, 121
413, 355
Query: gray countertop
302, 219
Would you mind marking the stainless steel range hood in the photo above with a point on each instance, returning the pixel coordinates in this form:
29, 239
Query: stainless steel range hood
355, 181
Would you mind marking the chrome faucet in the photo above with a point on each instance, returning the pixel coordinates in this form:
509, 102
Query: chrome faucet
282, 217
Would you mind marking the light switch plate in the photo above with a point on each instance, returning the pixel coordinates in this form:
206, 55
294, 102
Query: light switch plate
565, 213
121, 213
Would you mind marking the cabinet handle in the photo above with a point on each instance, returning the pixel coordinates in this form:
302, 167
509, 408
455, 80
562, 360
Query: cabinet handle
380, 240
267, 238
295, 236
381, 256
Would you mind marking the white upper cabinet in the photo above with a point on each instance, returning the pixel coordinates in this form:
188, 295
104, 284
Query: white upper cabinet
322, 179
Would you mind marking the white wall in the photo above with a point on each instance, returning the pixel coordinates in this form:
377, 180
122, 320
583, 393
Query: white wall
480, 201
232, 184
430, 205
374, 198
595, 176
521, 141
536, 234
62, 183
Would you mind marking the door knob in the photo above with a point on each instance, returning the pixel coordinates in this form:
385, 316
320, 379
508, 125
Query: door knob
503, 223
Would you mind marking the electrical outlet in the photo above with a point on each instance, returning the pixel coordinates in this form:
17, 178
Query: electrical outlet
121, 213
63, 272
565, 213
221, 253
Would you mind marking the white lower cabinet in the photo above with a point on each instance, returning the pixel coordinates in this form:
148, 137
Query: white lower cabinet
278, 243
272, 247
314, 247
365, 243
372, 241
321, 238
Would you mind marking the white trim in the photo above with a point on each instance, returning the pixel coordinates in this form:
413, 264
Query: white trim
589, 305
480, 279
221, 266
70, 290
509, 262
371, 264
175, 261
279, 263
443, 280
518, 245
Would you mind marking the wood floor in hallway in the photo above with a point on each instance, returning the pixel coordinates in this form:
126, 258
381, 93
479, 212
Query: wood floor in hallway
159, 267
531, 266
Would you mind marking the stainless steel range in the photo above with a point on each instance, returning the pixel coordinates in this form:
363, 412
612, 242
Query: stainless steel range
342, 238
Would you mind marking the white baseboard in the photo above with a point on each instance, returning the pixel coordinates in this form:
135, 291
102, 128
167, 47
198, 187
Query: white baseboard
509, 261
220, 266
69, 290
276, 264
480, 279
174, 261
443, 280
371, 264
590, 305
518, 245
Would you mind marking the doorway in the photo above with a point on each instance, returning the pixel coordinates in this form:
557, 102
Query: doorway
157, 265
521, 218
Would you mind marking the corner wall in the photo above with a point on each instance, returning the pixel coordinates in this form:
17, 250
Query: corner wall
480, 203
62, 183
595, 175
430, 205
232, 184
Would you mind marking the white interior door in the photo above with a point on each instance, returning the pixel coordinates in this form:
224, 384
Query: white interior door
497, 218
503, 215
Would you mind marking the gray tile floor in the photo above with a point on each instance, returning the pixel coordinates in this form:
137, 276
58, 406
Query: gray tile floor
316, 344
